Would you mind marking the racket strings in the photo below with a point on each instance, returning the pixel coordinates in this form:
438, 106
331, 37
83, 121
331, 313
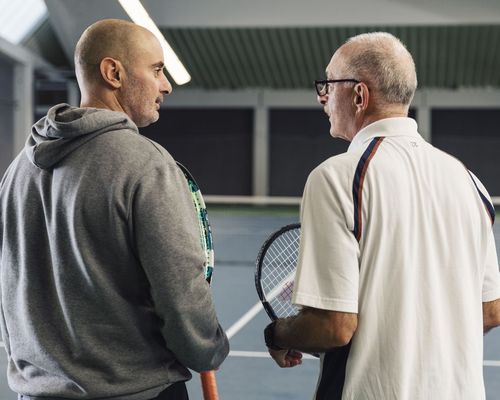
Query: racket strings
278, 272
283, 246
280, 259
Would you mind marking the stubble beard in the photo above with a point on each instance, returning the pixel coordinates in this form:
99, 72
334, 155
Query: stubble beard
143, 108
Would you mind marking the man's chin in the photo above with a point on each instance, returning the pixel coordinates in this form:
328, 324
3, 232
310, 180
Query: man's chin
148, 121
155, 117
336, 135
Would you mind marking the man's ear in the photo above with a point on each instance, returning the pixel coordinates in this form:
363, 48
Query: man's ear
111, 71
361, 96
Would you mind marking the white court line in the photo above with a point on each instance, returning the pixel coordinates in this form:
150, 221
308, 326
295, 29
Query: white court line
491, 363
250, 314
264, 354
261, 354
245, 319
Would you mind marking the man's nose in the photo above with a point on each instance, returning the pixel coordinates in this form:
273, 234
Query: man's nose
322, 99
166, 87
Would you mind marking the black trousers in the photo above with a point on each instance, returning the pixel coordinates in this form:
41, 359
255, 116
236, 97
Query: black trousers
177, 391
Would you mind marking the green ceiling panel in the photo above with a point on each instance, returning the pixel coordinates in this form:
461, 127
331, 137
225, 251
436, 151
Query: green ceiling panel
291, 58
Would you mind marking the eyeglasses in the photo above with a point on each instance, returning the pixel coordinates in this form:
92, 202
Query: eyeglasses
322, 86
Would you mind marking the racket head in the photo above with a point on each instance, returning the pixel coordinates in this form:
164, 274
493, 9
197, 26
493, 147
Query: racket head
208, 380
275, 271
203, 222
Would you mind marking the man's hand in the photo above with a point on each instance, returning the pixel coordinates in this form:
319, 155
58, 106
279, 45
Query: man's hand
286, 358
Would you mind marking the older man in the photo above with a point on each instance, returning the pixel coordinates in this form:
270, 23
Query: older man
103, 292
398, 274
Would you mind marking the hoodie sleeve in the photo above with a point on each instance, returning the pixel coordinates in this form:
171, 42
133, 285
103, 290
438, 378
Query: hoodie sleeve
168, 245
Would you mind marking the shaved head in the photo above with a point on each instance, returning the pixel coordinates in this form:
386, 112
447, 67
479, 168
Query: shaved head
113, 38
120, 66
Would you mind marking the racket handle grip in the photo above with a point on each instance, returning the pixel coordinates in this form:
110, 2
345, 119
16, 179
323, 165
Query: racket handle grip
209, 385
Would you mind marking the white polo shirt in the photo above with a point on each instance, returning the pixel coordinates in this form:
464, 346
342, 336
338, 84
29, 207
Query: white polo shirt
400, 233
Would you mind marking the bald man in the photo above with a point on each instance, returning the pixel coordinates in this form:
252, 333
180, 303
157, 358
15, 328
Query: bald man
103, 291
119, 66
398, 274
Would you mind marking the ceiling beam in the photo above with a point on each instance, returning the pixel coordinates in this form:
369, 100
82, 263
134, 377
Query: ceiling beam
283, 13
70, 17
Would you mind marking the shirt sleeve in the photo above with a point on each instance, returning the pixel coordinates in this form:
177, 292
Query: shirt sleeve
328, 266
167, 241
491, 282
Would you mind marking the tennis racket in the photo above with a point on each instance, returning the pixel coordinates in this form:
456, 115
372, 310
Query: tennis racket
208, 381
275, 272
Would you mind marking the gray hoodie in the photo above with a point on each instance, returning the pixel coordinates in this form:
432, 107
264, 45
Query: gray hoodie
102, 286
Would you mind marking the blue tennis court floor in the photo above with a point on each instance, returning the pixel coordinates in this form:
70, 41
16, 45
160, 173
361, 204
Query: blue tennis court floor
248, 373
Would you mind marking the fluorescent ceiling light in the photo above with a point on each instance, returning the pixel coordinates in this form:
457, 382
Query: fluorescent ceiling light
140, 16
19, 18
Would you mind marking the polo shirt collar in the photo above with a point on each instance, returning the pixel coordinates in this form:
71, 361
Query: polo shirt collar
400, 126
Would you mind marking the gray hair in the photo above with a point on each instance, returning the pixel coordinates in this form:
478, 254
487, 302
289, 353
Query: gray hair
384, 60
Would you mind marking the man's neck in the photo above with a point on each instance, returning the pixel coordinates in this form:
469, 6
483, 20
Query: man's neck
390, 112
104, 102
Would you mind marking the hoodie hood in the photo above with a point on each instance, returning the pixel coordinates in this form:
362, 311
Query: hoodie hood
65, 128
